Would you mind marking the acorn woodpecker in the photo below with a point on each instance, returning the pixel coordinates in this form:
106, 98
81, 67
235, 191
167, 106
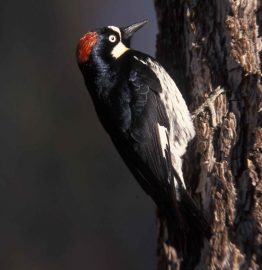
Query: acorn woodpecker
141, 108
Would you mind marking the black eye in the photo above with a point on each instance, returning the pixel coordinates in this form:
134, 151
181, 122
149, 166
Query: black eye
112, 38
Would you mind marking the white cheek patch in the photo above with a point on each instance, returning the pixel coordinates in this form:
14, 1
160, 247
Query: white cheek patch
118, 50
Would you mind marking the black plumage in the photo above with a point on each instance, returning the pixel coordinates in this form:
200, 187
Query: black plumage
131, 93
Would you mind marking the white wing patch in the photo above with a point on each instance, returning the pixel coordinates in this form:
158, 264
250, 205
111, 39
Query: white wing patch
163, 138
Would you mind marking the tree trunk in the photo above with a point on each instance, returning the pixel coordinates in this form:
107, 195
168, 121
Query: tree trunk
206, 45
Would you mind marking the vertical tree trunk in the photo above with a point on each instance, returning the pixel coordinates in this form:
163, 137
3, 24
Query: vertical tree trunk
205, 45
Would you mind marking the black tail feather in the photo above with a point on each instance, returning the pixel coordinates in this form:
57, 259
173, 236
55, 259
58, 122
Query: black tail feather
187, 228
193, 215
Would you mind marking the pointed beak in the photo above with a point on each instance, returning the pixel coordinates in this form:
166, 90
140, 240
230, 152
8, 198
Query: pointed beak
131, 29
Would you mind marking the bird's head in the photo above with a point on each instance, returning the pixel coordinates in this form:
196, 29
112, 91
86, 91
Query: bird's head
108, 42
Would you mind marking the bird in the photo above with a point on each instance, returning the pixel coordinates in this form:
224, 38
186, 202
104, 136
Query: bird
145, 115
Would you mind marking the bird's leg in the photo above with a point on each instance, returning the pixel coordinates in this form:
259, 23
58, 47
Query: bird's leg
209, 103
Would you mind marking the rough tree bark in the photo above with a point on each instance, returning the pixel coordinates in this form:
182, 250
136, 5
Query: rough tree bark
205, 45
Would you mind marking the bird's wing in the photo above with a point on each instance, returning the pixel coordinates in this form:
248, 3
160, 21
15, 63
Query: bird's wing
148, 149
146, 105
175, 126
150, 123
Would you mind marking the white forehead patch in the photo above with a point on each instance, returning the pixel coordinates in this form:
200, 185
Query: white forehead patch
116, 29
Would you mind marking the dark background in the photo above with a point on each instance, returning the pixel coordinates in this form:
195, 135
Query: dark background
67, 201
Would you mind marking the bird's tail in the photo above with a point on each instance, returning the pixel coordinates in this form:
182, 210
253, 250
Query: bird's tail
188, 228
193, 215
190, 212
